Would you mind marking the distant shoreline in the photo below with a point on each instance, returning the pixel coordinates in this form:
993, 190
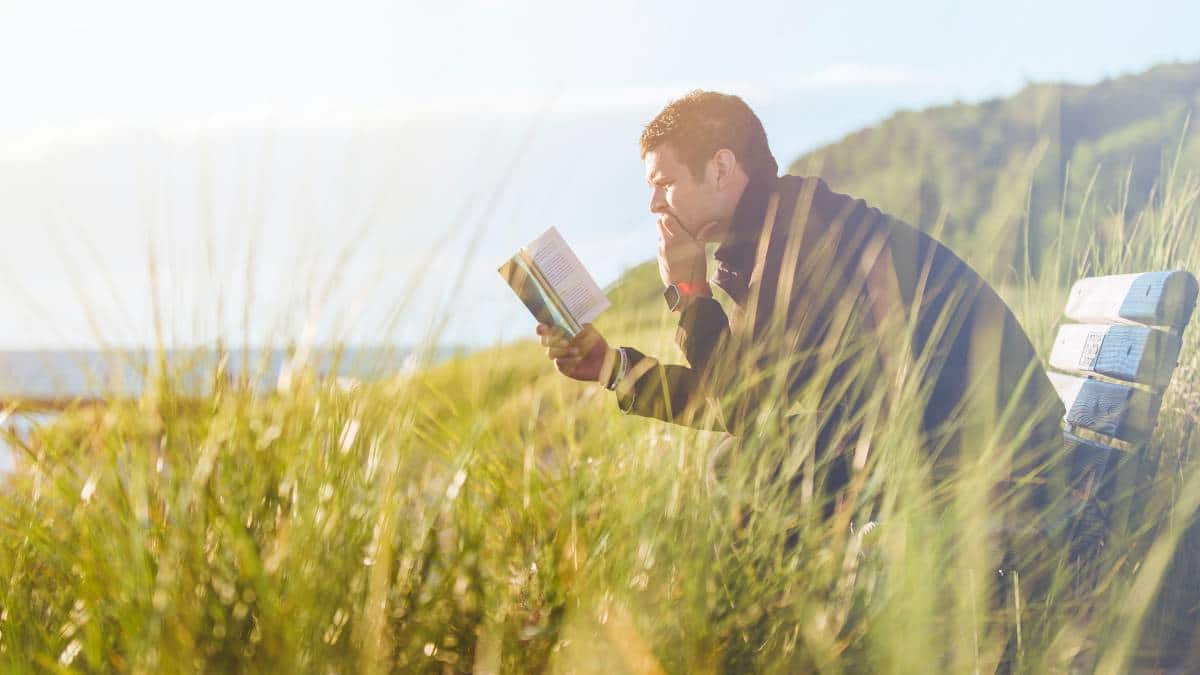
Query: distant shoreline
93, 373
51, 373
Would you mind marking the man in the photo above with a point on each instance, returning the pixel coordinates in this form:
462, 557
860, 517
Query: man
834, 307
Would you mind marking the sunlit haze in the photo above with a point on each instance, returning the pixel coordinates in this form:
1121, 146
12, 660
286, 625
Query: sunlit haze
262, 171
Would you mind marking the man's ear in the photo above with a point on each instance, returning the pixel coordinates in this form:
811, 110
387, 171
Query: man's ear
723, 164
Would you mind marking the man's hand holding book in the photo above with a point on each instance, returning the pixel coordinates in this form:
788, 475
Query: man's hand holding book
582, 357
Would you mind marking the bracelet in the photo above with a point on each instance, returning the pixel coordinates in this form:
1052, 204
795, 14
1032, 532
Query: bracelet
619, 371
606, 367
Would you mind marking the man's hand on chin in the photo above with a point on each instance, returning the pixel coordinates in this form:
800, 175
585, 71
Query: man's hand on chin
680, 255
581, 358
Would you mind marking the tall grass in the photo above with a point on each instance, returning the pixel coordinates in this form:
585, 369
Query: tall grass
487, 515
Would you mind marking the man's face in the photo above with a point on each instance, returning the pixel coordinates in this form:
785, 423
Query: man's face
675, 191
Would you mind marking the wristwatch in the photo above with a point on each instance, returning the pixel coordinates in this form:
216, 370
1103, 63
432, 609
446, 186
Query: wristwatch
680, 292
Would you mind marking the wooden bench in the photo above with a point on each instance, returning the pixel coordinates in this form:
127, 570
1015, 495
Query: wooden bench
1113, 365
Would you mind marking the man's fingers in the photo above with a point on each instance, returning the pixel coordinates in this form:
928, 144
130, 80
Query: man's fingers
670, 228
556, 338
552, 335
568, 354
586, 338
562, 352
586, 334
664, 233
566, 366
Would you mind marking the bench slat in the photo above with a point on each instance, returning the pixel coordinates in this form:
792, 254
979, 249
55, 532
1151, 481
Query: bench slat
1108, 408
1131, 353
1089, 488
1089, 463
1150, 298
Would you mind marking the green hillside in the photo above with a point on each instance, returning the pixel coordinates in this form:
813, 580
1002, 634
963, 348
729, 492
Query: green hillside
1064, 167
970, 170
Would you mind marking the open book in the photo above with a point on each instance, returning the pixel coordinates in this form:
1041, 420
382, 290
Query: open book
548, 277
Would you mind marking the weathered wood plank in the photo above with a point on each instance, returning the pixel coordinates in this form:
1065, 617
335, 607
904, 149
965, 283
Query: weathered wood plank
1089, 488
1132, 353
1107, 408
1115, 410
1067, 387
1150, 298
1089, 463
1093, 465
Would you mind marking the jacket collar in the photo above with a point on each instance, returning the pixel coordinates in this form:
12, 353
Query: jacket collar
735, 256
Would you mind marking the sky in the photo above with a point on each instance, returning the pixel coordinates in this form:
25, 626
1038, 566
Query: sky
269, 171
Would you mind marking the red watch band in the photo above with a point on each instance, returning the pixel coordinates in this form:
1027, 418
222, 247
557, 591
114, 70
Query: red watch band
693, 288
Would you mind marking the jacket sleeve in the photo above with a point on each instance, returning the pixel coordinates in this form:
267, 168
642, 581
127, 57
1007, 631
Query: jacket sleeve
677, 393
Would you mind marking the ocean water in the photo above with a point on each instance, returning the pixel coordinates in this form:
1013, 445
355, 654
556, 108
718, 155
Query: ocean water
68, 374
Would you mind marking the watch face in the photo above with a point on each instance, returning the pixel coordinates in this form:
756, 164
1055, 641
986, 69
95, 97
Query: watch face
671, 295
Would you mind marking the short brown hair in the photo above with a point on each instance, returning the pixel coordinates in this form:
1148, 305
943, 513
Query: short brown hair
703, 122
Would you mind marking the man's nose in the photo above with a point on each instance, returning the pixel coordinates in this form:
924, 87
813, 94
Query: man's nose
658, 201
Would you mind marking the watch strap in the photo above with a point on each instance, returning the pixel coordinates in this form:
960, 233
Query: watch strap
693, 288
680, 293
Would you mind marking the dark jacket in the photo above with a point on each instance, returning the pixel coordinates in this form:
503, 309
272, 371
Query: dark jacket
824, 288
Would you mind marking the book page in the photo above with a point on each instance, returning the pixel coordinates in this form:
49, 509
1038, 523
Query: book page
569, 278
525, 283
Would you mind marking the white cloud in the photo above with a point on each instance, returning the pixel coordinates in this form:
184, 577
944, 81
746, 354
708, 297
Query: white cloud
863, 74
483, 105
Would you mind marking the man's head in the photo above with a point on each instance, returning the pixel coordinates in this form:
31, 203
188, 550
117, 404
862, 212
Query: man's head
700, 152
